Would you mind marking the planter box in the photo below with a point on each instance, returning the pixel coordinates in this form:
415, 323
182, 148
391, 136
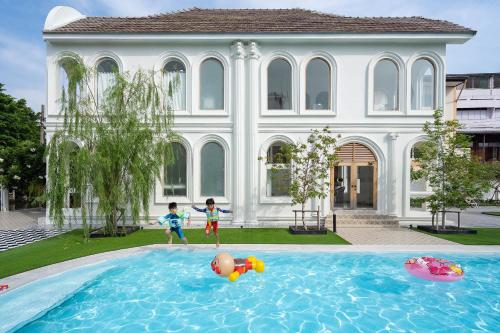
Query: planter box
120, 231
312, 230
446, 230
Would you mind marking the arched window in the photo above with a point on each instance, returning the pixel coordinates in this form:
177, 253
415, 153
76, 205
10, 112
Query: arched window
423, 83
175, 80
65, 65
212, 85
279, 85
106, 70
175, 180
212, 170
386, 86
318, 90
278, 171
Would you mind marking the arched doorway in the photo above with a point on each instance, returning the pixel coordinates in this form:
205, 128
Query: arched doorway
353, 178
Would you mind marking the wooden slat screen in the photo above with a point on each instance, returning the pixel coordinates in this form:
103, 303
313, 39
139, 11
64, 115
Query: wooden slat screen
355, 152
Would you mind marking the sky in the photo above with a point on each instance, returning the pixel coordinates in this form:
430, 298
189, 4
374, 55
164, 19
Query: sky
22, 50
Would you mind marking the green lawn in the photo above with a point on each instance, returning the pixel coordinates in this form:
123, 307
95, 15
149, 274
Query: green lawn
491, 213
71, 245
484, 236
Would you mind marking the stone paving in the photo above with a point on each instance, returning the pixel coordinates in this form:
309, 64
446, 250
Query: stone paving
20, 219
376, 235
473, 217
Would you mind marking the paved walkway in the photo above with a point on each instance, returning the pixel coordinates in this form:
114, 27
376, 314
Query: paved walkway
20, 219
472, 217
368, 235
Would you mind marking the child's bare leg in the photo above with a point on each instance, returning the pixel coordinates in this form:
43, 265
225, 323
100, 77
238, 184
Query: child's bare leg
217, 244
169, 235
185, 241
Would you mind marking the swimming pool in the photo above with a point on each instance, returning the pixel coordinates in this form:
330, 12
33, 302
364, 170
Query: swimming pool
315, 292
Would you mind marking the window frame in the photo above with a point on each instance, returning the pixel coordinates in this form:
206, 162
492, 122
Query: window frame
332, 110
269, 166
196, 86
186, 83
159, 197
263, 197
97, 63
439, 83
164, 172
264, 85
370, 100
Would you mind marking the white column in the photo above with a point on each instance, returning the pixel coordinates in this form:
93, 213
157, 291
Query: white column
4, 199
253, 56
238, 147
392, 187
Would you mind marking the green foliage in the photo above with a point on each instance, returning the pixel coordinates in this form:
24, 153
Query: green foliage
123, 142
21, 155
445, 161
309, 164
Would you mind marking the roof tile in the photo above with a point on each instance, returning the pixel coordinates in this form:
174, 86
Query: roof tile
196, 20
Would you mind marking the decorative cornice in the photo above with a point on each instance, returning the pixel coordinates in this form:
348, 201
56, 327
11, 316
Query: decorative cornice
237, 50
253, 50
394, 136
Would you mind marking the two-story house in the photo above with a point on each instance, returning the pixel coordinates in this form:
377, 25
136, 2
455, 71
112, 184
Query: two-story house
253, 79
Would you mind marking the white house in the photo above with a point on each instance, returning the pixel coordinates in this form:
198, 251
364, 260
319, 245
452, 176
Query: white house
255, 78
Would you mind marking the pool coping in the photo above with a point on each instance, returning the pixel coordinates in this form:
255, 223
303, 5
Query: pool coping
21, 279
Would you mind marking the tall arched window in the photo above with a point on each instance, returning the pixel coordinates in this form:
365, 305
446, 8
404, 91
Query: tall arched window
175, 180
423, 85
212, 170
175, 80
386, 86
279, 85
211, 85
106, 70
278, 171
65, 65
318, 90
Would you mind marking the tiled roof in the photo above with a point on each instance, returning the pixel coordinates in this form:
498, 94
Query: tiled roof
198, 20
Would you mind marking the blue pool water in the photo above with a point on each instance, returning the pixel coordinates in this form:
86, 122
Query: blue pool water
176, 291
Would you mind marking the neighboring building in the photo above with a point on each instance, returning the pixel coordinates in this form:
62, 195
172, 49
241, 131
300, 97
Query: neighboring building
253, 79
478, 109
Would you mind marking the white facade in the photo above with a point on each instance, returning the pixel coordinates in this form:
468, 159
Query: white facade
245, 128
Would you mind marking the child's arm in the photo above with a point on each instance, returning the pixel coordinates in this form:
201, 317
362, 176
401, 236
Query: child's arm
201, 210
224, 210
186, 216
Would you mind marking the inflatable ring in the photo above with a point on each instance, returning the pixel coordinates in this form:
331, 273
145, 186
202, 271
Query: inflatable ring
434, 269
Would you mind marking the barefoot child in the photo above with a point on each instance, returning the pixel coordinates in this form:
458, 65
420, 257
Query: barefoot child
212, 213
174, 222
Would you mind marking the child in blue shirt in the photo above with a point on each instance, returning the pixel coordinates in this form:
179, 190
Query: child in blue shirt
174, 222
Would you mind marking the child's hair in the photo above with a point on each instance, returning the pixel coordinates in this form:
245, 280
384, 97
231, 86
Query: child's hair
210, 201
172, 205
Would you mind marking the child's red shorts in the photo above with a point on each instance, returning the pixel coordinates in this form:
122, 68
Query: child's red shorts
215, 226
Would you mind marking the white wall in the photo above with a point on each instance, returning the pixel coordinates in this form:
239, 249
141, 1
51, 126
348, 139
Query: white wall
351, 115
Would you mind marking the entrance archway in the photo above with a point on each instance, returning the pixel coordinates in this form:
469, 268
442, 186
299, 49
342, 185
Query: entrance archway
353, 178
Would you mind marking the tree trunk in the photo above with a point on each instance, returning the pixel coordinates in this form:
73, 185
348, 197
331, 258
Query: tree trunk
303, 217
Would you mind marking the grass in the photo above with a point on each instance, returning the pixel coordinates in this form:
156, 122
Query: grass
72, 245
491, 213
484, 236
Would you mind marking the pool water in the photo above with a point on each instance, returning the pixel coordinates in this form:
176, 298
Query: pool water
176, 291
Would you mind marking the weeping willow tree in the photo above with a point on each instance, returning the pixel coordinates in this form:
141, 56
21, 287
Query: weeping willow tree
123, 138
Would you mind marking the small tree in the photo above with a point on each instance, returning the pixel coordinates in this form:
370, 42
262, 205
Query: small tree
309, 164
445, 162
124, 140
